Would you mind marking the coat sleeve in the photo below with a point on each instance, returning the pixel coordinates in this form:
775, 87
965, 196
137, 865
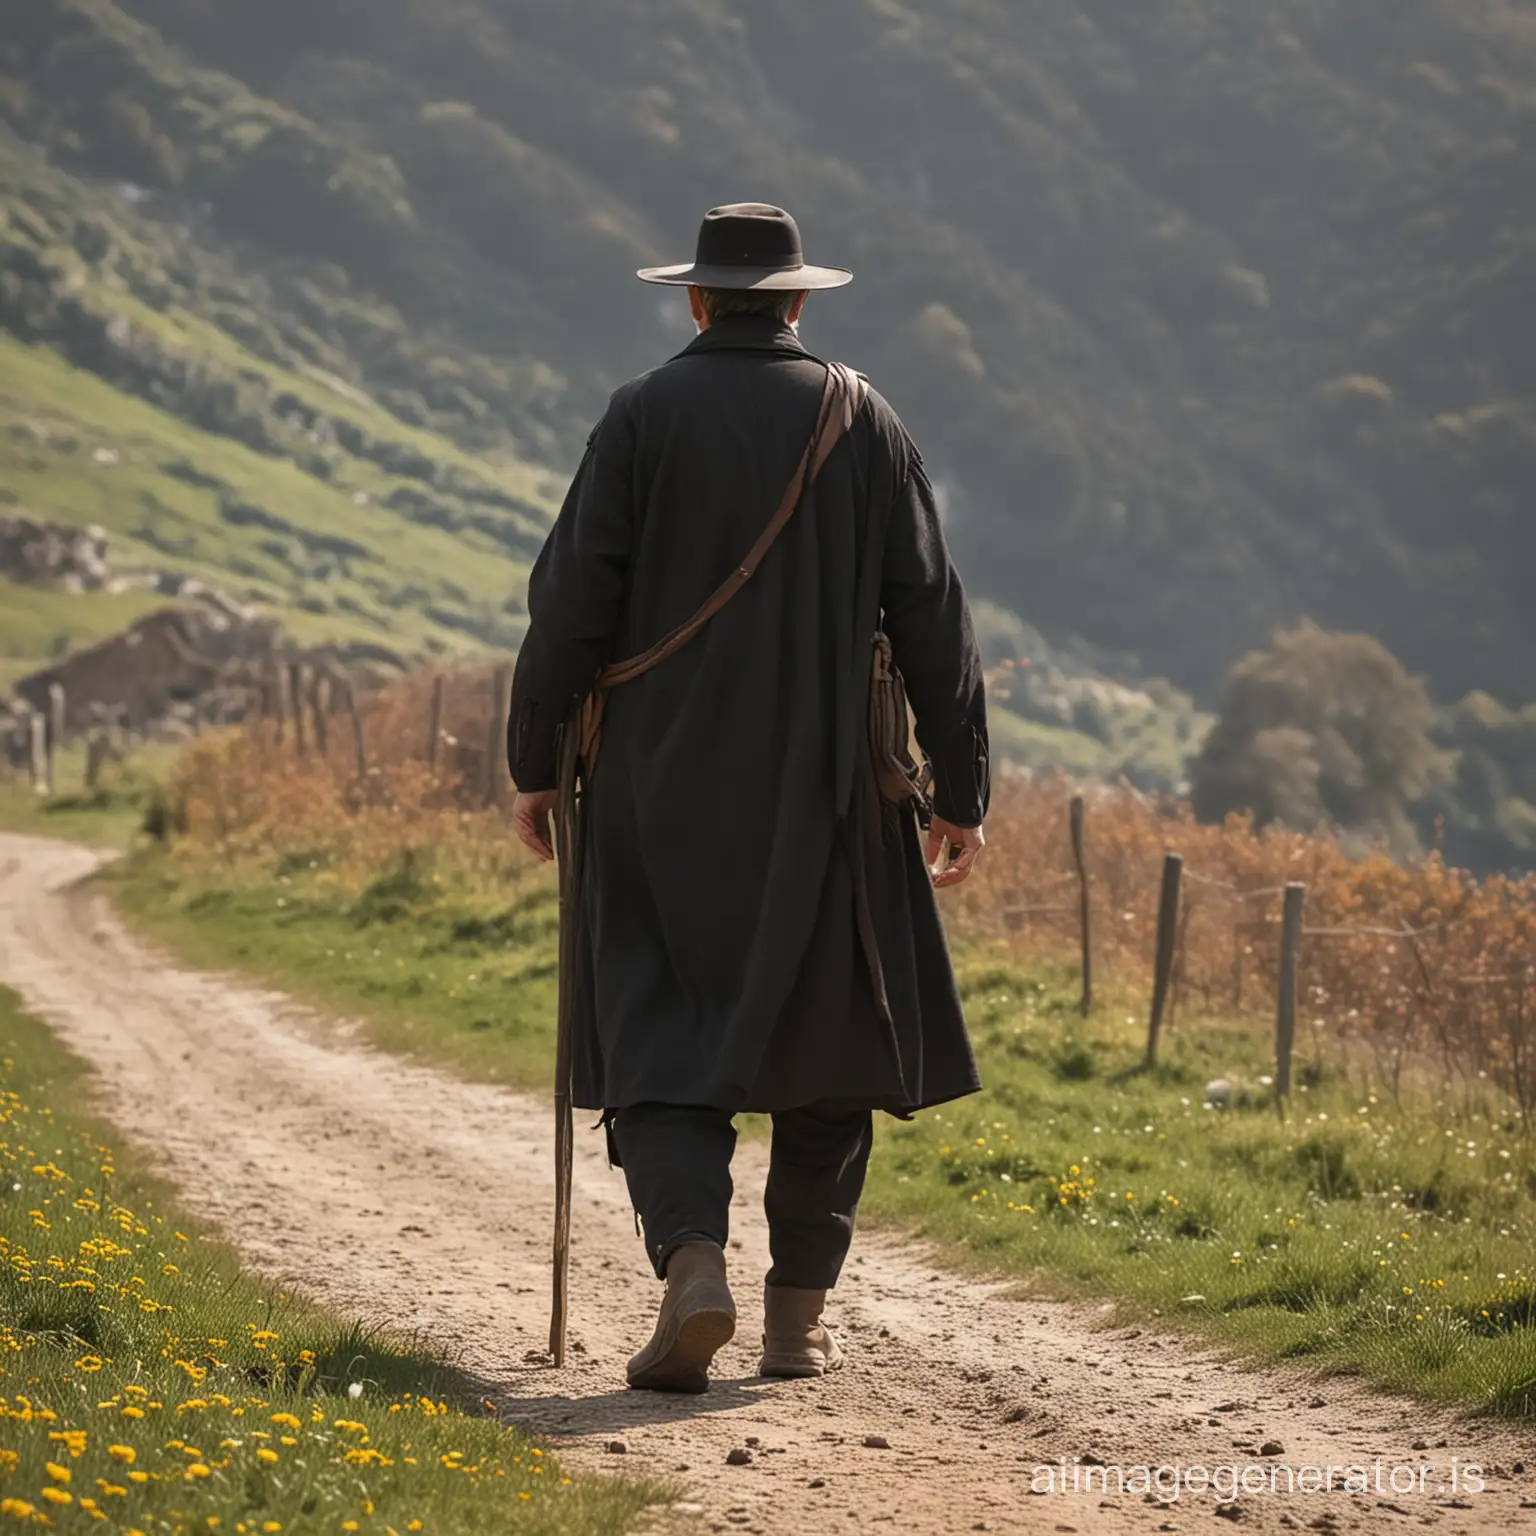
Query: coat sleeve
929, 625
574, 598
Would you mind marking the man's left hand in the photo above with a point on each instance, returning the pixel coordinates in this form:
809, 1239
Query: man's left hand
952, 852
530, 815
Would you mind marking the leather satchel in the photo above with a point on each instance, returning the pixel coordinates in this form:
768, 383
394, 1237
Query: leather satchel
898, 776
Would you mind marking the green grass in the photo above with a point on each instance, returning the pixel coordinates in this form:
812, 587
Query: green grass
146, 1379
38, 624
1392, 1242
107, 817
75, 450
464, 979
1358, 1236
1152, 748
1043, 747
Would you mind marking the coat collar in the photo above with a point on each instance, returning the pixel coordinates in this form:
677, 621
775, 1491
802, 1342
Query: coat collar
747, 333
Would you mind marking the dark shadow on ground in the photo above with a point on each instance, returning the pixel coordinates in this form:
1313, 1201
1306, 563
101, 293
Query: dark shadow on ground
610, 1407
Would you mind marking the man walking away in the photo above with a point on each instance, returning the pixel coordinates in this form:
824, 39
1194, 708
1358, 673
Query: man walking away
757, 926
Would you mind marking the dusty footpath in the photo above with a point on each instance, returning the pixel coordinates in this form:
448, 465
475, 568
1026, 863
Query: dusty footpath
398, 1193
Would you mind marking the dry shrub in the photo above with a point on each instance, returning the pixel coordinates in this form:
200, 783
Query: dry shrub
250, 795
1403, 962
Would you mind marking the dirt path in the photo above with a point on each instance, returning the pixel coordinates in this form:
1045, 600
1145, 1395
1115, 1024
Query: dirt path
396, 1192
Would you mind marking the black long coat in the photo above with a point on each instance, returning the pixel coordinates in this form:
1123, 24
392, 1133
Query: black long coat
736, 874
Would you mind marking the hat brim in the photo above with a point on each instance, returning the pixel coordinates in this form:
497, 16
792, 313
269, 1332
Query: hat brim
794, 279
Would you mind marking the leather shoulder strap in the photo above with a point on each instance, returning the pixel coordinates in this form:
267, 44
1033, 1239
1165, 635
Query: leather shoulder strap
841, 400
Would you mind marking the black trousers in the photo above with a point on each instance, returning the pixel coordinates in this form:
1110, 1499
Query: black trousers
678, 1164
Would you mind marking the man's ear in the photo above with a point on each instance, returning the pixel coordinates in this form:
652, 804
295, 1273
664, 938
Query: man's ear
794, 314
696, 304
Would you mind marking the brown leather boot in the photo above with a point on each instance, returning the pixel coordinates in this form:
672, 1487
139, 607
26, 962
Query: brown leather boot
795, 1340
697, 1318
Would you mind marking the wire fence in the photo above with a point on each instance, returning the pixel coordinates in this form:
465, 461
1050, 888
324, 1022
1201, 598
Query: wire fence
1397, 964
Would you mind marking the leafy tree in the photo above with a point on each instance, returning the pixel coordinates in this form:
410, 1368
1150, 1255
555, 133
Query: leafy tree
1321, 728
1488, 810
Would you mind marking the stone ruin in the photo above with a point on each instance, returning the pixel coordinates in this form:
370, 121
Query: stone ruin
204, 655
206, 660
37, 554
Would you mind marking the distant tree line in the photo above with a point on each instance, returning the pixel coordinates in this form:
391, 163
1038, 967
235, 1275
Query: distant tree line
1329, 729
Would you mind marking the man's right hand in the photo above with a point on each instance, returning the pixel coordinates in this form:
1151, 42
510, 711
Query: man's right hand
952, 852
530, 816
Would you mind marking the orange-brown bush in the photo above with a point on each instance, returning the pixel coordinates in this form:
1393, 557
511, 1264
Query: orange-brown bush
249, 793
1401, 964
1401, 961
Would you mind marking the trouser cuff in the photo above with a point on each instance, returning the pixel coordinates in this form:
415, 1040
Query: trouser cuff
662, 1255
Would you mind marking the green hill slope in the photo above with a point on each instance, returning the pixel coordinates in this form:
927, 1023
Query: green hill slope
145, 387
1209, 316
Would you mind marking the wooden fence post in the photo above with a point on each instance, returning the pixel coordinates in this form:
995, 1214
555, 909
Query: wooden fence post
435, 724
42, 756
1238, 956
1285, 1007
496, 737
58, 715
320, 703
359, 746
1078, 823
98, 746
1180, 959
277, 681
1167, 944
296, 703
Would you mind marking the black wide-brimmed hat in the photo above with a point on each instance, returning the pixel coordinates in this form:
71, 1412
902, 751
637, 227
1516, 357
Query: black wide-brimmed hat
748, 245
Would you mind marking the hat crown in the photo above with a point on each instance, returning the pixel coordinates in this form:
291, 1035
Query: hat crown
749, 235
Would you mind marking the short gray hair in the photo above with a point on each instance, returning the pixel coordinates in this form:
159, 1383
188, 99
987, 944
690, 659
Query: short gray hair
773, 303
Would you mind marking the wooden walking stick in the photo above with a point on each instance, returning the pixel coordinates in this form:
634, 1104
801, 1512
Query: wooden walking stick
567, 851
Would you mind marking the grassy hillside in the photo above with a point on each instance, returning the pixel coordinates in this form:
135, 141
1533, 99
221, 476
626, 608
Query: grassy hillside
1208, 316
142, 389
330, 555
